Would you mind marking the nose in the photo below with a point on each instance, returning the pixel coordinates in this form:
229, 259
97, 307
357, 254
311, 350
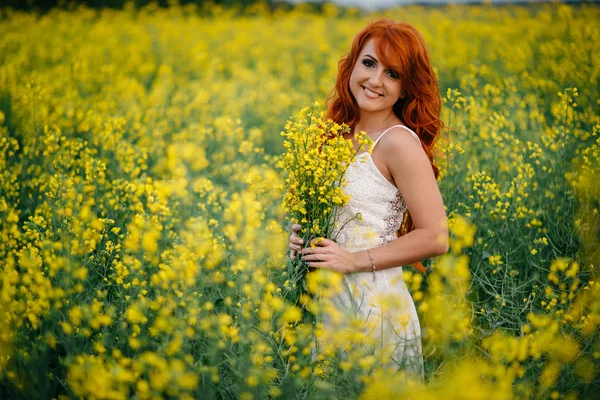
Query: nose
375, 79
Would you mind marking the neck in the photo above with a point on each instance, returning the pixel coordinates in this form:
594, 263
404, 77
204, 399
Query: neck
372, 122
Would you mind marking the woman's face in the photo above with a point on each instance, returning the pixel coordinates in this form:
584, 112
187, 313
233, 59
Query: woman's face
375, 86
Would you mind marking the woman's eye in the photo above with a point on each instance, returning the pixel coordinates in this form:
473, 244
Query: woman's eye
368, 63
393, 74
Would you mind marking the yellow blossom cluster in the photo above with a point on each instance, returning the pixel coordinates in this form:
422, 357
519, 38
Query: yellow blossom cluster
316, 158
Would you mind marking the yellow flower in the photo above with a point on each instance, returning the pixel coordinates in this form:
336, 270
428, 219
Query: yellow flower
252, 381
292, 314
135, 315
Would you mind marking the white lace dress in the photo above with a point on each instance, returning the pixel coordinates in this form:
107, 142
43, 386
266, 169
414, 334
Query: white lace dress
385, 306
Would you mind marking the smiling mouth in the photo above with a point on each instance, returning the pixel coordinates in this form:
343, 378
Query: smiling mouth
371, 94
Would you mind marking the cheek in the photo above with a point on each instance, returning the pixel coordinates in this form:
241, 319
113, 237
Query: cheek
357, 74
353, 77
353, 84
396, 89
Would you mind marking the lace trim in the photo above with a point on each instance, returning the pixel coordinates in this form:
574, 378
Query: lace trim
397, 208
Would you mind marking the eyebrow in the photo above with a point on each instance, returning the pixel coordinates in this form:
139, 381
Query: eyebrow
370, 56
376, 60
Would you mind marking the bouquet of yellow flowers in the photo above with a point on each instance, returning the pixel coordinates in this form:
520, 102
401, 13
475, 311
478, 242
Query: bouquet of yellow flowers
317, 155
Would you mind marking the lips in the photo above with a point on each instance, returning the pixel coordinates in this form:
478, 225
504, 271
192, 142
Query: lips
371, 94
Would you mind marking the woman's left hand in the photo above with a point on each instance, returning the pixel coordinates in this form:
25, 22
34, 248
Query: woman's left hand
329, 255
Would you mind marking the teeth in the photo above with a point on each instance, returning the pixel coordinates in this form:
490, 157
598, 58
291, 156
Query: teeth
371, 93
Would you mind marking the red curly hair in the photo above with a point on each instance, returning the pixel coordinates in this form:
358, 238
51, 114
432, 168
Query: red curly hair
400, 47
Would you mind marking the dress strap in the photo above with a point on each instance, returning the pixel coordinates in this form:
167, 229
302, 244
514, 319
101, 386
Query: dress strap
396, 126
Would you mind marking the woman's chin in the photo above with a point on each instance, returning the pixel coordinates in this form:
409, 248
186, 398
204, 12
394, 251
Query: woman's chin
370, 106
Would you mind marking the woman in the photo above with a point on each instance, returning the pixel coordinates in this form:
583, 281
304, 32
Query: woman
387, 88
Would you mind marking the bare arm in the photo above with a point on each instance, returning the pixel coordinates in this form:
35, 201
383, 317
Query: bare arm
412, 173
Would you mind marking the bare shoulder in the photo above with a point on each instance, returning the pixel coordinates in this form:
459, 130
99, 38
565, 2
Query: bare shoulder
400, 146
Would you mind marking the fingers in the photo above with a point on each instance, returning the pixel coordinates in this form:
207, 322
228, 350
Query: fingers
310, 249
316, 264
323, 262
320, 242
316, 258
316, 253
294, 247
296, 241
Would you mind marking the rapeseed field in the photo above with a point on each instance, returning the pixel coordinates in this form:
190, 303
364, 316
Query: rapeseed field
143, 239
